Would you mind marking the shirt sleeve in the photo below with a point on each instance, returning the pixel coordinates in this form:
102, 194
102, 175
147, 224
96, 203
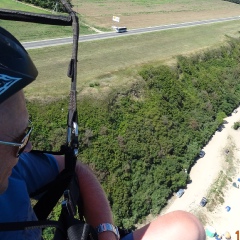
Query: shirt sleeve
36, 170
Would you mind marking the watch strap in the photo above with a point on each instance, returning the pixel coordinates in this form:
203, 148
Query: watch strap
104, 227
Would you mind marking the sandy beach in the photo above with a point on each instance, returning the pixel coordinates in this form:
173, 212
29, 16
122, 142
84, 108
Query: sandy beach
204, 175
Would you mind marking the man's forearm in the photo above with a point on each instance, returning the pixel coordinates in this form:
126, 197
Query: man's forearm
95, 204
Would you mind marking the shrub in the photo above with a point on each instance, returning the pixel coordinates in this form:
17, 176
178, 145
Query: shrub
236, 125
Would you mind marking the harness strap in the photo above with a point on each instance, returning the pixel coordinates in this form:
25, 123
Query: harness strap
76, 231
17, 226
47, 202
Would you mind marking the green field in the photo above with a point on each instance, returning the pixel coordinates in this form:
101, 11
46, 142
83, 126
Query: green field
15, 5
32, 31
113, 63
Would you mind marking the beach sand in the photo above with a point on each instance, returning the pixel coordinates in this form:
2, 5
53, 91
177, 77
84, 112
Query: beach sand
204, 175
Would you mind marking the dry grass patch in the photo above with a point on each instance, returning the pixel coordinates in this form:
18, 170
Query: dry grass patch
217, 191
135, 14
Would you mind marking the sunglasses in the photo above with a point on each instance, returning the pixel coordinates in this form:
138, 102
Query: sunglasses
21, 146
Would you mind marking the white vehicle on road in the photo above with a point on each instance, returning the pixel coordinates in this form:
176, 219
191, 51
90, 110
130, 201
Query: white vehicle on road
121, 29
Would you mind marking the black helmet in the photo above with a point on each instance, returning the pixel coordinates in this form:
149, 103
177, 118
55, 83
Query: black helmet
16, 67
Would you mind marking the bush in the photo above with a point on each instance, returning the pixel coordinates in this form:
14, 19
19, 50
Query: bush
236, 125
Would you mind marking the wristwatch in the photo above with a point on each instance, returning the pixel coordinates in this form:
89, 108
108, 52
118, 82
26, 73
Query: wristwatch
103, 227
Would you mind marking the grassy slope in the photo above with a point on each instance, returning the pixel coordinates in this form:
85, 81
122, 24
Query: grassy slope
103, 61
10, 4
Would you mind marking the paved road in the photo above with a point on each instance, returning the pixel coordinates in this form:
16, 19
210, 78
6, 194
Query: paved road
92, 37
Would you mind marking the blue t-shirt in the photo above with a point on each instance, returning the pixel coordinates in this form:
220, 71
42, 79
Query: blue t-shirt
31, 172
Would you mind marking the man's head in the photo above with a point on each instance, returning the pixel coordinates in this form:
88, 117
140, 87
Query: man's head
16, 71
13, 123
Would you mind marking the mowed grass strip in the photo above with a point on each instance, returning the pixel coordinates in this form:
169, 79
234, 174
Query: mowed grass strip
113, 63
15, 5
31, 31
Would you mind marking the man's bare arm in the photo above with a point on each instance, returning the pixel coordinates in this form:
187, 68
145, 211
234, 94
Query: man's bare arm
95, 203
